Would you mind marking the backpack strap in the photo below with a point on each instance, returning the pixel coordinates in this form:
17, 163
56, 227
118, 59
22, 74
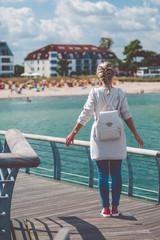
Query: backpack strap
109, 103
113, 97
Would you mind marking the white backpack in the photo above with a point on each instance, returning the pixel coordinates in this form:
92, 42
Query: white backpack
109, 126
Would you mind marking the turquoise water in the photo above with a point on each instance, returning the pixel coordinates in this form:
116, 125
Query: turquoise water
57, 116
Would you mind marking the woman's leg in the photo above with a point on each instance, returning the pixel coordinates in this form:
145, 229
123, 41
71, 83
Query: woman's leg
103, 186
115, 170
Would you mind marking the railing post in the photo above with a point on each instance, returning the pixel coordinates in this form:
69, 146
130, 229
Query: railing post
57, 161
158, 166
17, 153
28, 170
130, 177
6, 149
1, 147
91, 169
6, 192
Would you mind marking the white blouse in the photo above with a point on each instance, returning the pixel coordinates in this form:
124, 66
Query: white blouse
97, 98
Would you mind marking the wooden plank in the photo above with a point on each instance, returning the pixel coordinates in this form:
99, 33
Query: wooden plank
88, 228
63, 234
19, 230
49, 199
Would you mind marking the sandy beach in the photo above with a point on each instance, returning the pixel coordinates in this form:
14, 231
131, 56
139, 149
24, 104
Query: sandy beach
127, 87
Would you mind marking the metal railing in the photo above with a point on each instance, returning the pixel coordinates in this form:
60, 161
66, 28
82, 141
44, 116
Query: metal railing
140, 170
16, 153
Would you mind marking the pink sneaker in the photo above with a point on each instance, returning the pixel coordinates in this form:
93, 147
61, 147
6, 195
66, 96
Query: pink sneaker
115, 212
105, 212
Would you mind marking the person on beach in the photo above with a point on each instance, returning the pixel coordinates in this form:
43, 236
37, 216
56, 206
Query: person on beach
107, 154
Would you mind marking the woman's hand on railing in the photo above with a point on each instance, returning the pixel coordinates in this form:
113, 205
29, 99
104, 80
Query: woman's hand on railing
131, 126
70, 139
139, 140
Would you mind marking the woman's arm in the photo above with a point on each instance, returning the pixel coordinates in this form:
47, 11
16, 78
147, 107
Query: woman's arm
131, 126
70, 138
84, 117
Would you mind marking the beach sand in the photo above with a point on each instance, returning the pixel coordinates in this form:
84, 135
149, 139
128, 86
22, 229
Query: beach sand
127, 87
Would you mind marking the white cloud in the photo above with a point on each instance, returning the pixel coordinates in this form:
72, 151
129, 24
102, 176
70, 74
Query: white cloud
12, 1
131, 18
41, 1
19, 23
130, 24
20, 1
83, 6
18, 28
136, 11
81, 22
156, 2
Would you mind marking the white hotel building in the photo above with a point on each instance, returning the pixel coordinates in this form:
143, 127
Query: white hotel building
81, 58
6, 61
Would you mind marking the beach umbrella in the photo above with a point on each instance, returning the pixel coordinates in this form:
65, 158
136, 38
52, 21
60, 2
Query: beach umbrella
25, 74
36, 74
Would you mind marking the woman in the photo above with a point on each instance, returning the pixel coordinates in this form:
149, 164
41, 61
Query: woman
107, 154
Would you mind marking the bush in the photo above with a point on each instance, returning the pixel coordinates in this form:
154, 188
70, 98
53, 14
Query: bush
135, 79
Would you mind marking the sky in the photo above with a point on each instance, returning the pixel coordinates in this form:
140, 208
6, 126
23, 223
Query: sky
27, 25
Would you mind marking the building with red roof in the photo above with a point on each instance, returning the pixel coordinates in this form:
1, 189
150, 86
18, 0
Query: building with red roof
82, 59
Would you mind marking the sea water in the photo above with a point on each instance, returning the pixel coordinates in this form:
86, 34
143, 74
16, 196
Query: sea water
56, 116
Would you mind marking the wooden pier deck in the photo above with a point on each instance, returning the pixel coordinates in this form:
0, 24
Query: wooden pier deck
49, 205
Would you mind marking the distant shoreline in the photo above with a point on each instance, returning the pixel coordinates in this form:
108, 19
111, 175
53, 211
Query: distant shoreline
127, 87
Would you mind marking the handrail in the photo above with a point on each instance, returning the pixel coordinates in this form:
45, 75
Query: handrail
132, 150
17, 153
22, 155
138, 151
146, 152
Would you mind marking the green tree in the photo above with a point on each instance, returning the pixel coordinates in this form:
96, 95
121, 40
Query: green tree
115, 61
18, 70
132, 51
106, 43
85, 72
158, 59
62, 67
150, 59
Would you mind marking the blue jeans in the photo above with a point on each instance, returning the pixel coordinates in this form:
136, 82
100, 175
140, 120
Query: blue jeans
103, 185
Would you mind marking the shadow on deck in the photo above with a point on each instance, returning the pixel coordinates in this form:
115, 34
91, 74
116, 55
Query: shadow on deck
42, 207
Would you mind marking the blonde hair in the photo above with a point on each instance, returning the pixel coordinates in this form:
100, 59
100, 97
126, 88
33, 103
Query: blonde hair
105, 73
